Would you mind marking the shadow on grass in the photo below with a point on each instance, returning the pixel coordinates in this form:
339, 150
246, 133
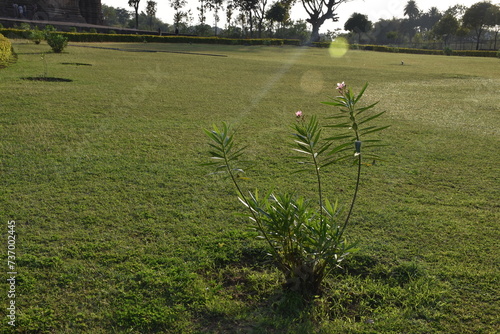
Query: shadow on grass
47, 79
250, 298
77, 64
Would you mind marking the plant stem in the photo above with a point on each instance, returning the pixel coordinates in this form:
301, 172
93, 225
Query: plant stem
320, 192
353, 197
252, 212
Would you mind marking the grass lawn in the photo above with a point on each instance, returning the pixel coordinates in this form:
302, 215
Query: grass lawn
119, 229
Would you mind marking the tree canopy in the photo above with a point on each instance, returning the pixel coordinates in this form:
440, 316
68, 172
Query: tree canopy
358, 23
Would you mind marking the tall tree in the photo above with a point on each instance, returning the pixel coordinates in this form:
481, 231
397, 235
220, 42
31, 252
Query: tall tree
260, 15
429, 19
215, 6
179, 15
446, 27
151, 11
201, 9
411, 10
319, 11
477, 18
248, 7
277, 13
358, 23
494, 21
135, 4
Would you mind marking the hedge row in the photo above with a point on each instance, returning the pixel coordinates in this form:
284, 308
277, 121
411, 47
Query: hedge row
93, 37
6, 51
382, 48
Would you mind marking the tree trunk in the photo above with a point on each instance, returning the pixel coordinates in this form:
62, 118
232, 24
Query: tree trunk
315, 32
478, 38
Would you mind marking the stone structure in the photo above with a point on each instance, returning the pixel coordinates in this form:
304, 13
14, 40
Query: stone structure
77, 11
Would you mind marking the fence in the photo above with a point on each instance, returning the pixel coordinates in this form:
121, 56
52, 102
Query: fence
456, 44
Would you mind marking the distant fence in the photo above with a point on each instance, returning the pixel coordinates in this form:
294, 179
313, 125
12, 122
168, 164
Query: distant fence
488, 45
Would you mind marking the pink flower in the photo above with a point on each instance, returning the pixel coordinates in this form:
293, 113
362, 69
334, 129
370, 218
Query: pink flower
298, 114
341, 86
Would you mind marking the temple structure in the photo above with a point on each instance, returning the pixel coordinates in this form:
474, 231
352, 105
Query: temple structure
77, 11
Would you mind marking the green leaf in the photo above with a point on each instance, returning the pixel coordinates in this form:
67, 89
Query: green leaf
370, 118
363, 109
361, 93
375, 130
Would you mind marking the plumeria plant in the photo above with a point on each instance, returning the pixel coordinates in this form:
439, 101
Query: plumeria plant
305, 237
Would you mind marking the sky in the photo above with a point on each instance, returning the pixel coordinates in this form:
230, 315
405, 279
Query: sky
374, 9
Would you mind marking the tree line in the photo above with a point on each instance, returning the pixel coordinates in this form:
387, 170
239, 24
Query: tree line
458, 23
267, 19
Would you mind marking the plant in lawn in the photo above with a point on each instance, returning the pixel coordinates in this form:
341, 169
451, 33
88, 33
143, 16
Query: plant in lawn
37, 35
304, 237
42, 57
57, 42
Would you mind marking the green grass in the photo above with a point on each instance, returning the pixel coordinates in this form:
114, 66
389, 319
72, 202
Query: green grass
120, 230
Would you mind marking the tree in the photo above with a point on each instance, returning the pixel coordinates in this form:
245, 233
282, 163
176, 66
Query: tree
411, 10
202, 8
494, 21
319, 11
386, 31
215, 6
248, 7
135, 4
277, 13
428, 20
260, 15
446, 27
179, 15
151, 11
358, 23
477, 18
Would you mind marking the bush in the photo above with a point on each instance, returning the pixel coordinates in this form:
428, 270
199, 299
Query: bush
447, 51
37, 35
6, 51
57, 42
498, 54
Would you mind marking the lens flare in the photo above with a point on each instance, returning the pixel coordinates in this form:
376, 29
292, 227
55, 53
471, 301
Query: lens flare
338, 48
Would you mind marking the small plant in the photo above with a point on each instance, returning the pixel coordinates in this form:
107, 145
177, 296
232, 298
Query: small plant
304, 237
93, 31
57, 42
42, 57
498, 54
448, 51
48, 30
73, 29
37, 35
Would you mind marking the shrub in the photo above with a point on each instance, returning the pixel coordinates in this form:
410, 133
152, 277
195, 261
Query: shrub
37, 35
304, 237
57, 42
448, 51
498, 54
5, 49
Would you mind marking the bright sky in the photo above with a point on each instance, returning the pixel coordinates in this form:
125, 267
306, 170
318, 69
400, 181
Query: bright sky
375, 9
